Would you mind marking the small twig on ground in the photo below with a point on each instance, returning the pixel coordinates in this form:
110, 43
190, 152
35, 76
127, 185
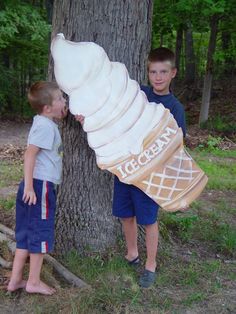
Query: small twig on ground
10, 244
71, 278
7, 231
47, 274
4, 263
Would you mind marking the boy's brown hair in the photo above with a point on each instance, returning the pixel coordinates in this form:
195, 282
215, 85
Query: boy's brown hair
40, 94
162, 54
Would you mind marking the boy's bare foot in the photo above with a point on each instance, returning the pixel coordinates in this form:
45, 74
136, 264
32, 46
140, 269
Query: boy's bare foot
13, 286
41, 288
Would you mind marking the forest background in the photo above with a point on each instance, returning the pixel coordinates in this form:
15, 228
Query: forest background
201, 33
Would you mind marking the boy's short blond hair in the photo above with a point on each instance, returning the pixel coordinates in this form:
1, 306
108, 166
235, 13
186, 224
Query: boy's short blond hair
162, 54
40, 94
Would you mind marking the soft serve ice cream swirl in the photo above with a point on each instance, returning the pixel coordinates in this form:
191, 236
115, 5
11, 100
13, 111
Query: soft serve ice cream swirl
138, 141
117, 113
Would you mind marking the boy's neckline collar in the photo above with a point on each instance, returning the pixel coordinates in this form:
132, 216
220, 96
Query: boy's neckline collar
45, 117
169, 94
42, 115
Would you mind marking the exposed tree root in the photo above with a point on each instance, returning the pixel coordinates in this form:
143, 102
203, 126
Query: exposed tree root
7, 235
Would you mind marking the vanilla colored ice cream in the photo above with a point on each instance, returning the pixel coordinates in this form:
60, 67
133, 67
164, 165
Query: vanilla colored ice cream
138, 141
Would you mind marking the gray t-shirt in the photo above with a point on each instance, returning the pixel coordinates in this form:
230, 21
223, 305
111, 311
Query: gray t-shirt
44, 134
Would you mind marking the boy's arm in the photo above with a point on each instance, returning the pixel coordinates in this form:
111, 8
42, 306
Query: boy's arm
179, 116
29, 162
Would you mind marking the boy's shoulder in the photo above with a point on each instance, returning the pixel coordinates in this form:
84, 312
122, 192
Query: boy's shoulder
42, 129
176, 101
43, 133
40, 121
145, 88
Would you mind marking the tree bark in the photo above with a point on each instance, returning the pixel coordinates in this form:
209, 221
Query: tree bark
190, 57
229, 64
178, 46
123, 29
206, 94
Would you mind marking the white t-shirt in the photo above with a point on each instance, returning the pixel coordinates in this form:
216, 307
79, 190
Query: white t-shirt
44, 134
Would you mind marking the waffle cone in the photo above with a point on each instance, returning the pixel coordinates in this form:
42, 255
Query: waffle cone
163, 169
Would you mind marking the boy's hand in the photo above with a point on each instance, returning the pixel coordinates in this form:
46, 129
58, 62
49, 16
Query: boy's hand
29, 197
80, 118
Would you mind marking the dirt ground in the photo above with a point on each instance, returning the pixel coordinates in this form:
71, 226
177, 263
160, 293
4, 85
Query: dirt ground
13, 140
14, 133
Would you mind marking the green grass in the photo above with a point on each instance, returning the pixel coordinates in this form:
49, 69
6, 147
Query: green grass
220, 124
219, 235
199, 153
115, 284
232, 276
193, 298
180, 224
8, 204
10, 173
224, 207
221, 172
222, 175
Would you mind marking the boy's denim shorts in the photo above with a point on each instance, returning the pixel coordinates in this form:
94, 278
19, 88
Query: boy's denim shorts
130, 201
35, 223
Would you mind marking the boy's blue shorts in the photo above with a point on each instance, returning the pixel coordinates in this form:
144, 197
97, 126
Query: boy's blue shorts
130, 201
35, 223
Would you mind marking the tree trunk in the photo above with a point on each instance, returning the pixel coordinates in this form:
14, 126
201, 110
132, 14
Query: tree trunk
229, 64
190, 58
49, 10
206, 94
178, 48
123, 29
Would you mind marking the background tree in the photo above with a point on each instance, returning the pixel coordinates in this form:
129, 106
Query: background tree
218, 11
206, 94
123, 29
189, 57
23, 51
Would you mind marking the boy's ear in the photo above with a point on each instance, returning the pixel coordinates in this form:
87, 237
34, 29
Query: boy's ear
46, 108
174, 72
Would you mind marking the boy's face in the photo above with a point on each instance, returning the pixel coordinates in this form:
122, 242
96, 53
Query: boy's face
160, 75
58, 108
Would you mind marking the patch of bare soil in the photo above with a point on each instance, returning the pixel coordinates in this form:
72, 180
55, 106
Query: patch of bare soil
7, 219
7, 191
196, 136
13, 139
14, 133
11, 152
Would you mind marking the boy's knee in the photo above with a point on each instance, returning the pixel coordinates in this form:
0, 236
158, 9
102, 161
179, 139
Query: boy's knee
128, 219
151, 226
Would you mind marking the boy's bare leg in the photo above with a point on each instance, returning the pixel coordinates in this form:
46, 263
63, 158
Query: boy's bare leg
34, 284
131, 232
151, 245
16, 281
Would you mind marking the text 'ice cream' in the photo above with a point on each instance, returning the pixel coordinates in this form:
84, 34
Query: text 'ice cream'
138, 141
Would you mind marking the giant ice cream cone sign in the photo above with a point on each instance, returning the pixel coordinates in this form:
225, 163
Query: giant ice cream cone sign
138, 141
